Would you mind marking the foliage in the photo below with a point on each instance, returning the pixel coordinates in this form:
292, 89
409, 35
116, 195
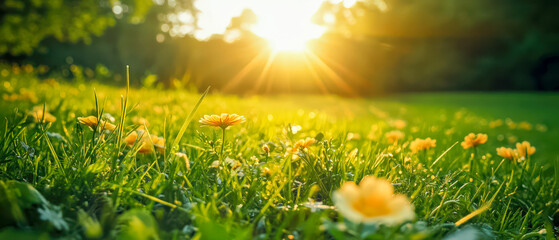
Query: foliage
63, 172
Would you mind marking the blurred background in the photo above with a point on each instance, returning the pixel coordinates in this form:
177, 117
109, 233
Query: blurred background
345, 47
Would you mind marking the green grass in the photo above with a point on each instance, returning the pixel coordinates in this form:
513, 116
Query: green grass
65, 180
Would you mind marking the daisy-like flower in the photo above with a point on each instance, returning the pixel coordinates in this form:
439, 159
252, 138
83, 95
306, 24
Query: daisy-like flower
303, 144
38, 115
474, 140
223, 121
508, 153
394, 136
372, 201
146, 144
524, 149
422, 144
91, 121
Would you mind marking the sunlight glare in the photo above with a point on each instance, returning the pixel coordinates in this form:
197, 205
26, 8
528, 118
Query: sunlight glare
287, 24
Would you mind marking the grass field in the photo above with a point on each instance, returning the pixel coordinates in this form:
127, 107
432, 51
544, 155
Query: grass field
64, 179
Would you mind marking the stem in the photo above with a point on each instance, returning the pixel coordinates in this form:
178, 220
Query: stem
222, 143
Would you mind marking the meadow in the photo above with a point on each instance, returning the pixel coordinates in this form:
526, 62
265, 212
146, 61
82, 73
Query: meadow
275, 175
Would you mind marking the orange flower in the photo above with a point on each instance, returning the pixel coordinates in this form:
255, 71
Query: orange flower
525, 149
508, 153
473, 140
223, 121
394, 136
91, 121
301, 144
372, 201
146, 144
38, 115
399, 124
422, 144
141, 122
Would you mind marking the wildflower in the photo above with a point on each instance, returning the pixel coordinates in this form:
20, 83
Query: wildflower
474, 140
40, 116
223, 121
524, 126
524, 149
183, 157
146, 144
91, 121
141, 122
399, 124
302, 144
372, 201
353, 136
508, 153
394, 136
422, 144
496, 123
266, 172
266, 148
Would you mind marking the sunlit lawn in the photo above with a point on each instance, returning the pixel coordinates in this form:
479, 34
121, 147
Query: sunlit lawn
101, 193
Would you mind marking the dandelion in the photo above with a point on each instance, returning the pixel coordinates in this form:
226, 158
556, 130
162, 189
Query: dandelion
372, 201
40, 115
91, 121
394, 136
222, 121
474, 140
146, 144
507, 153
524, 149
422, 144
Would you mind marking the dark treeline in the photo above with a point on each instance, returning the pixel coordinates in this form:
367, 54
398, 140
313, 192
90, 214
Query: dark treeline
426, 46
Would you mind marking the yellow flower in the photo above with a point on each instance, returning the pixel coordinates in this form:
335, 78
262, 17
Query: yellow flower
394, 136
508, 153
525, 149
473, 140
91, 121
303, 144
524, 126
223, 121
399, 124
422, 144
372, 201
141, 122
496, 123
146, 144
38, 115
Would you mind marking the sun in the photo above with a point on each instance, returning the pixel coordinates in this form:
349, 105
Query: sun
287, 24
